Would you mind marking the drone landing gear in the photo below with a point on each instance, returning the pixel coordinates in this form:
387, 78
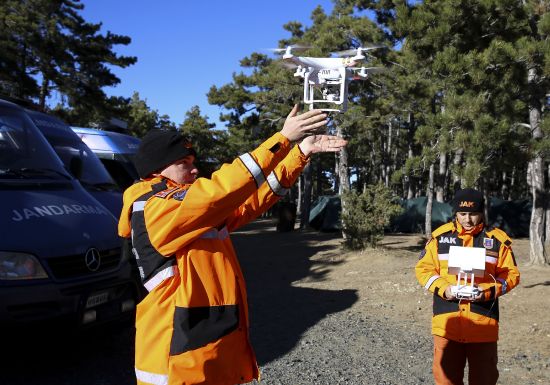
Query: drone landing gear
465, 290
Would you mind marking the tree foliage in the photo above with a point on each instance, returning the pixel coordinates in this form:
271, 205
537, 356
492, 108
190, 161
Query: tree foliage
463, 101
46, 47
369, 212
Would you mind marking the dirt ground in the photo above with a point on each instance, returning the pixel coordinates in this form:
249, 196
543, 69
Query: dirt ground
379, 283
319, 316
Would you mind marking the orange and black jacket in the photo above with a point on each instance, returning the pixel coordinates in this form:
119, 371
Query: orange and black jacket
466, 321
192, 326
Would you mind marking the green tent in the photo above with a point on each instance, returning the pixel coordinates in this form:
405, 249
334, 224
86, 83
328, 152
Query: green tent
412, 220
325, 214
511, 216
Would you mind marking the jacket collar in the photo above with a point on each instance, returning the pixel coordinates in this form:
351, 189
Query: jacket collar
461, 231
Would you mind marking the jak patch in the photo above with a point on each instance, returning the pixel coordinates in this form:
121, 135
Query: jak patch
488, 243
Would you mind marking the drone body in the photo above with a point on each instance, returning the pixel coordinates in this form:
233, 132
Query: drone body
326, 80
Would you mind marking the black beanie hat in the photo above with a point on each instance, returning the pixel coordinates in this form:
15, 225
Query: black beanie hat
160, 148
468, 200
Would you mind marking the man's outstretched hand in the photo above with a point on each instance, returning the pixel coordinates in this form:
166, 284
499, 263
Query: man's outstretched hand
321, 143
297, 126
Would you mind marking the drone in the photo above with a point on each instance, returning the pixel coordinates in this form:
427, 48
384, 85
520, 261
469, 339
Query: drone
326, 79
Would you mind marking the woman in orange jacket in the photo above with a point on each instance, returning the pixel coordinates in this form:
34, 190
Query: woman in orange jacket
467, 330
192, 326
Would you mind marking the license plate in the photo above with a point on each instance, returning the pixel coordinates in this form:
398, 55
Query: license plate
97, 299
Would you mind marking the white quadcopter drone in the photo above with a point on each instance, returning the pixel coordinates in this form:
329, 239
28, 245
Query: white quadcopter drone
326, 79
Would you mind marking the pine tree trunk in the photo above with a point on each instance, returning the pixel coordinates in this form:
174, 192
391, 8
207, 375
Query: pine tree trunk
457, 160
337, 173
299, 197
486, 200
440, 188
512, 184
44, 90
504, 188
387, 157
306, 201
537, 254
319, 173
547, 231
343, 177
410, 154
429, 203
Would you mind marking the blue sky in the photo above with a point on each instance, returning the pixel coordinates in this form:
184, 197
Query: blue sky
185, 47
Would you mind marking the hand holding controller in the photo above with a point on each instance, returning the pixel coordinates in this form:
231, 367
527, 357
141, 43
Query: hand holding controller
465, 292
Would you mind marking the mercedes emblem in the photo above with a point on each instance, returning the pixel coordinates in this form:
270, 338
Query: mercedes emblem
92, 259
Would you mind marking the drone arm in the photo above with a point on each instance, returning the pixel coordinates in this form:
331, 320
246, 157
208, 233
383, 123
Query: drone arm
308, 90
343, 85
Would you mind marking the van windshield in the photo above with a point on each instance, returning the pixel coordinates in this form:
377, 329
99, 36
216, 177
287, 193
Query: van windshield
74, 153
24, 154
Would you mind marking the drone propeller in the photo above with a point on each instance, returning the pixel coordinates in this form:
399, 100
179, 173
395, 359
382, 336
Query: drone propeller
356, 51
293, 47
362, 73
287, 64
370, 70
300, 47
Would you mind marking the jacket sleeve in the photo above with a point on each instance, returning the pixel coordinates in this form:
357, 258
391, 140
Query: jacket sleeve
427, 270
277, 184
507, 272
171, 223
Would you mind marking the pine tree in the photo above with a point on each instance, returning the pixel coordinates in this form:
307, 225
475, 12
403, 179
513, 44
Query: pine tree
207, 142
48, 46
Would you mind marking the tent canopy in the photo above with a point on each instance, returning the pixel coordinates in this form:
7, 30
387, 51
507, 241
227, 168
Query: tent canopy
511, 216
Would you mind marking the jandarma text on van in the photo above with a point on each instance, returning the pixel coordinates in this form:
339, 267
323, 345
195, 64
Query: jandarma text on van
41, 211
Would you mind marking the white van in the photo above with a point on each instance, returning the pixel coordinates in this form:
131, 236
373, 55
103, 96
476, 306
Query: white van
115, 150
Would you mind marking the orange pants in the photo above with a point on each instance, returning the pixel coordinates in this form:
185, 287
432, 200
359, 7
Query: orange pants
450, 360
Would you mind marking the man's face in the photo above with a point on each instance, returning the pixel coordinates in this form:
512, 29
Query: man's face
182, 171
469, 220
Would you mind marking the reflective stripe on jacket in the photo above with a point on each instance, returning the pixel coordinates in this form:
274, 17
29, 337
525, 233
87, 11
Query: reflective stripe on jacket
192, 327
466, 321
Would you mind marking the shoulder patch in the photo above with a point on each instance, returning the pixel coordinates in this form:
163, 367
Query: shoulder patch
179, 195
488, 243
164, 193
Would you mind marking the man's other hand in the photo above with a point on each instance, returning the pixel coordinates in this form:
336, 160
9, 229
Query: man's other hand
449, 296
322, 143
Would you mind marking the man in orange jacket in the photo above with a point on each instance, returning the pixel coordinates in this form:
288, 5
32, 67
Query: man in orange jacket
192, 326
467, 330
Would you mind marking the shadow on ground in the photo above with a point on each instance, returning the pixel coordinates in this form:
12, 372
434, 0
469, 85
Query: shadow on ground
546, 283
60, 355
281, 312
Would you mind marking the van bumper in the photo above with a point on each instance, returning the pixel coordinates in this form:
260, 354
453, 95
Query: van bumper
100, 299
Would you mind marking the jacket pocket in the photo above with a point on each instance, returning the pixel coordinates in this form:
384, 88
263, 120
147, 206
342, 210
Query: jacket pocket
195, 327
